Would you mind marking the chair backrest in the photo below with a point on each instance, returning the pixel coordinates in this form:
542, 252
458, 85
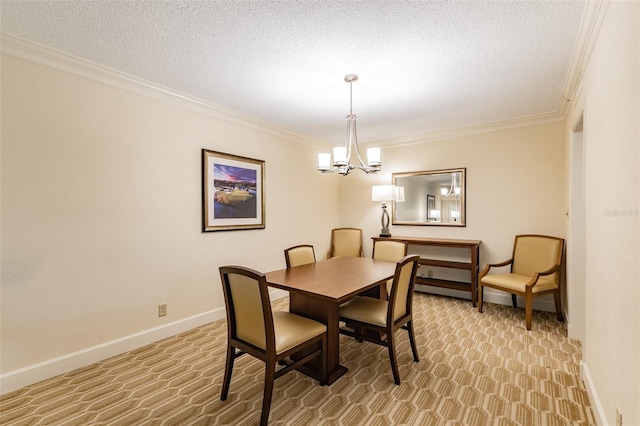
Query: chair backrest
249, 316
346, 242
389, 250
401, 297
299, 255
536, 253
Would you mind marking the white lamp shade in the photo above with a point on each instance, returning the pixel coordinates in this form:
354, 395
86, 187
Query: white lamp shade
339, 156
444, 191
373, 156
382, 193
387, 193
434, 214
324, 161
455, 213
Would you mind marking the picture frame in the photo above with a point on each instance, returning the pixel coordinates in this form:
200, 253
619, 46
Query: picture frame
431, 205
233, 192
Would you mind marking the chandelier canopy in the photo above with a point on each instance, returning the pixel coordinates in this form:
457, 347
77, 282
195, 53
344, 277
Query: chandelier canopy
342, 155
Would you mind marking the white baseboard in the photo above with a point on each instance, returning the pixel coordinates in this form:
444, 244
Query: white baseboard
14, 380
542, 303
17, 379
598, 412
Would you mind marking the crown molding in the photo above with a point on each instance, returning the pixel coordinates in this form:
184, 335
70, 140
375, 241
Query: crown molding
458, 132
42, 55
590, 25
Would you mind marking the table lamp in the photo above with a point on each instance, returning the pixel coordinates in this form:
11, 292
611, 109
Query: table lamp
386, 193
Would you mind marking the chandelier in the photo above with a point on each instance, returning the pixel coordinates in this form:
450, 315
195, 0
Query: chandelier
342, 155
453, 189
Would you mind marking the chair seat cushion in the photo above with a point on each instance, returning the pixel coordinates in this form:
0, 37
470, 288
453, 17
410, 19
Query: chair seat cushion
291, 330
365, 309
517, 282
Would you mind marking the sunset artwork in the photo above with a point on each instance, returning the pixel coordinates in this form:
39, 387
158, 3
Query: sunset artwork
232, 192
235, 192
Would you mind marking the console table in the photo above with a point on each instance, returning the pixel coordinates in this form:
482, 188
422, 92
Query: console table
473, 246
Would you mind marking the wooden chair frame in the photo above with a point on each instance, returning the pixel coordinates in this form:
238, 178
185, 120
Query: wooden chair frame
331, 251
528, 294
294, 248
376, 242
387, 290
271, 359
385, 336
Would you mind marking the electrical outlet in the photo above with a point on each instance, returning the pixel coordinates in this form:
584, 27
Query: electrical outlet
618, 417
162, 310
429, 273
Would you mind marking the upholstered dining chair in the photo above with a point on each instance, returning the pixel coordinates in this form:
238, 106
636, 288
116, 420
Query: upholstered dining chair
254, 329
391, 251
346, 242
299, 255
534, 271
377, 321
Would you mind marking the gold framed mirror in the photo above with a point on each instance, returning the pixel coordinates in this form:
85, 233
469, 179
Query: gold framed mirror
432, 198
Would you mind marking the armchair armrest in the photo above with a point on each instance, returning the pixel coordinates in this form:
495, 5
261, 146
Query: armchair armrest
550, 270
537, 275
488, 266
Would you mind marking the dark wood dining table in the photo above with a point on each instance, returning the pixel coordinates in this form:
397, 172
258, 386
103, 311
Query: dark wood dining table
316, 291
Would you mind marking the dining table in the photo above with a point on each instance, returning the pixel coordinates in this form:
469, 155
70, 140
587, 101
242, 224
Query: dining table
317, 290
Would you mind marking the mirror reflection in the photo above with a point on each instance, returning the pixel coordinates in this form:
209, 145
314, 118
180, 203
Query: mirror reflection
435, 197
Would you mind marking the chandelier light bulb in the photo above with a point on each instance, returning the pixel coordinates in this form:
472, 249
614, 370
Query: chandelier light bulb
373, 157
324, 162
340, 156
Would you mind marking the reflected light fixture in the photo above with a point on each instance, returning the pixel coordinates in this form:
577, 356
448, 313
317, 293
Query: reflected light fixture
342, 155
454, 189
386, 193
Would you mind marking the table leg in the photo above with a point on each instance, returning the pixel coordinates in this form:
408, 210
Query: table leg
328, 314
475, 258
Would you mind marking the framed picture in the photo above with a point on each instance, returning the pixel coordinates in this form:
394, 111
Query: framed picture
232, 192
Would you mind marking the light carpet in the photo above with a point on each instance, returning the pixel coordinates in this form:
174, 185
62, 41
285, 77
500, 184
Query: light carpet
474, 369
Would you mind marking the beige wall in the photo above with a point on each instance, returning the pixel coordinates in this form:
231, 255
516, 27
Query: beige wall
101, 214
609, 99
515, 185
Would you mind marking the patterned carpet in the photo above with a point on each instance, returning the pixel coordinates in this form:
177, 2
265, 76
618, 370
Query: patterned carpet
475, 369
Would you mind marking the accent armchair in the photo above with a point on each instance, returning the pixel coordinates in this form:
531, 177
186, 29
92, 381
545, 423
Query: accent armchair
534, 271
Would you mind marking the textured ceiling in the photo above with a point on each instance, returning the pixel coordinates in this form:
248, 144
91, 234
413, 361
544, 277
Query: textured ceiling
424, 66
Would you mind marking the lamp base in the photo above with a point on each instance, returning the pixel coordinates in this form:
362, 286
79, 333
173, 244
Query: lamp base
384, 232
